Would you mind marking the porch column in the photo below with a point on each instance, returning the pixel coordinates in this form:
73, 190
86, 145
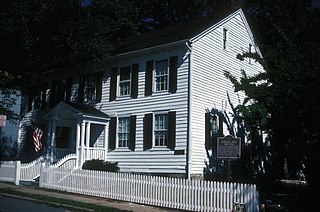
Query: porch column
82, 142
53, 138
49, 148
105, 141
78, 144
88, 124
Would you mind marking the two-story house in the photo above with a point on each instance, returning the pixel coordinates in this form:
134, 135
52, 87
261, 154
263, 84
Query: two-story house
146, 108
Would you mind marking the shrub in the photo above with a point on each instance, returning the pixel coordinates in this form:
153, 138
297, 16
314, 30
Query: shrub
101, 165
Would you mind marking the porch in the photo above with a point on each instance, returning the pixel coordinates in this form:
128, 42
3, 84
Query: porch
89, 152
76, 129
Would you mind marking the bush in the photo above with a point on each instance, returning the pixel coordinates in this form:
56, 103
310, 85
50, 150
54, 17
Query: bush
101, 165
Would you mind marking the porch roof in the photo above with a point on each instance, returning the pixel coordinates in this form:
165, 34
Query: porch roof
76, 110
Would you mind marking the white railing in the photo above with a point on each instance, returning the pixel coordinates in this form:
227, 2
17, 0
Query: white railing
30, 171
68, 162
192, 195
94, 153
59, 153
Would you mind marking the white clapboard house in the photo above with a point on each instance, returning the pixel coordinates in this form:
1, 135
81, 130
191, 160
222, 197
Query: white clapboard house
146, 108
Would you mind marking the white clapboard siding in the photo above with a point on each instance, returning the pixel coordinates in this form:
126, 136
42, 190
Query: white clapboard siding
209, 85
153, 160
177, 193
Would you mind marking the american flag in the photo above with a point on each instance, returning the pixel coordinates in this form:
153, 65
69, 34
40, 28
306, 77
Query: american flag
37, 137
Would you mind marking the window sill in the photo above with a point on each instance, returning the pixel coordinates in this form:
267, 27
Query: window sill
120, 98
159, 148
122, 149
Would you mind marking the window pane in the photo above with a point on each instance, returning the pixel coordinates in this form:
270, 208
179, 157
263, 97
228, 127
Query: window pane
161, 75
125, 81
123, 132
160, 132
124, 73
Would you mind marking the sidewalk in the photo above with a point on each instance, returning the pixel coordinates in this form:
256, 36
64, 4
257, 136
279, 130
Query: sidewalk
84, 199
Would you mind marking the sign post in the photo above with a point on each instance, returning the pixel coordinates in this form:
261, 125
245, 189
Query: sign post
228, 148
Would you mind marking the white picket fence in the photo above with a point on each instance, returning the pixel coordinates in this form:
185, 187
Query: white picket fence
9, 171
192, 195
14, 171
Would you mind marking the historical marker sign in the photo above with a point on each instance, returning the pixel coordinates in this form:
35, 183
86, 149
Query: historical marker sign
3, 119
229, 147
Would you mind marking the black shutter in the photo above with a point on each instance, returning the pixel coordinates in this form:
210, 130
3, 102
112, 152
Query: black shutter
207, 131
68, 89
172, 130
99, 87
220, 127
53, 93
113, 84
132, 144
112, 133
173, 74
149, 78
44, 88
134, 81
81, 89
147, 131
30, 98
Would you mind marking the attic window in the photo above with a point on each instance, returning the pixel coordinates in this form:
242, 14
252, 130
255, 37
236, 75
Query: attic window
225, 37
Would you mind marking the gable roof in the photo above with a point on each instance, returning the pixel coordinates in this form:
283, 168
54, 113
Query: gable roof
64, 108
170, 34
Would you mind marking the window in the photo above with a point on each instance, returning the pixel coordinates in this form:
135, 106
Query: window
213, 129
225, 37
161, 75
124, 132
160, 130
125, 81
90, 87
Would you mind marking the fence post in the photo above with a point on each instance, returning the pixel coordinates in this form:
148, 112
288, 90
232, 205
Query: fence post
17, 172
41, 174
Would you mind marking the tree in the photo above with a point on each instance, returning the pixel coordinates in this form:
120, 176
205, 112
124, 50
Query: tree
37, 36
160, 13
284, 100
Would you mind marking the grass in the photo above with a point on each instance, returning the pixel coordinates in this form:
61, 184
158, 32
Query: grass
60, 202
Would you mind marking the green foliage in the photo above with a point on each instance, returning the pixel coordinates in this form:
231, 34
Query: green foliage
101, 165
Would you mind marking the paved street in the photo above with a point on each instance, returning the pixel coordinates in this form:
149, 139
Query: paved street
10, 204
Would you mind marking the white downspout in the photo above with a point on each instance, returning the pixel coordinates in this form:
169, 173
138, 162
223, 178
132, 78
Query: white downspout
189, 138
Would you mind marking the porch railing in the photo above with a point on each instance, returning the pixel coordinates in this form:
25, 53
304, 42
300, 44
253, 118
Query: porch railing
60, 153
94, 153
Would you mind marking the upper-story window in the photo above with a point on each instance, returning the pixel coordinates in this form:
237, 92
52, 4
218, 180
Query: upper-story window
160, 130
225, 38
90, 87
125, 81
161, 75
124, 132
